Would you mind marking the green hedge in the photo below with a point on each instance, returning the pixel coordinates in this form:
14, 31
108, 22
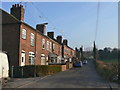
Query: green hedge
42, 70
38, 70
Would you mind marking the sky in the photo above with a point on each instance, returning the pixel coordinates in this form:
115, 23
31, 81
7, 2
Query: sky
75, 21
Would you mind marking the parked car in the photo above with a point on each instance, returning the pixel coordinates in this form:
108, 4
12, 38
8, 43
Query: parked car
4, 68
84, 61
78, 64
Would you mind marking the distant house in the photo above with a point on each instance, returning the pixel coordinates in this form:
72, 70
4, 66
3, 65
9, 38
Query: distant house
28, 46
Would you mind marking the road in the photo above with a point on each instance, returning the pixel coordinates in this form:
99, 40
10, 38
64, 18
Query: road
85, 77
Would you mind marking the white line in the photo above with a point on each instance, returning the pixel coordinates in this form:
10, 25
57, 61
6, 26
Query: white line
31, 82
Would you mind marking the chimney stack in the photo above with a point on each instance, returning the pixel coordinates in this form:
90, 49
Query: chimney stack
59, 39
65, 42
17, 11
42, 28
50, 34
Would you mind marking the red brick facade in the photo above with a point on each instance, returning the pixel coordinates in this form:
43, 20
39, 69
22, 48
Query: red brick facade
34, 47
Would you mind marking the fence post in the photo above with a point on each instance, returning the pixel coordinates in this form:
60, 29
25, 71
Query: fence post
22, 72
12, 71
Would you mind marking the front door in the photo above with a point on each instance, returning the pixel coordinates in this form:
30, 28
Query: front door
42, 59
23, 58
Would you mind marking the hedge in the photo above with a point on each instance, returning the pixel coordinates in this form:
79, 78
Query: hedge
42, 70
38, 70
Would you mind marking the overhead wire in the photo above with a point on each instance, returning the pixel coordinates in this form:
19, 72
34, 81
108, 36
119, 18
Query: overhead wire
61, 31
97, 20
53, 27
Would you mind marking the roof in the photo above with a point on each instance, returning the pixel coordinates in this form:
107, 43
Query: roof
12, 20
69, 47
8, 18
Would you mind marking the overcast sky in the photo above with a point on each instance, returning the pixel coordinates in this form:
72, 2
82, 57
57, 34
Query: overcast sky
76, 21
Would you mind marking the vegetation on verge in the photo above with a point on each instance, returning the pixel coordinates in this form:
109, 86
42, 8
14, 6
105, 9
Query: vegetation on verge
109, 71
33, 71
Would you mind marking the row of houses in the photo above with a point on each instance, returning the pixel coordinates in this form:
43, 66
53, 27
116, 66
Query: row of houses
26, 45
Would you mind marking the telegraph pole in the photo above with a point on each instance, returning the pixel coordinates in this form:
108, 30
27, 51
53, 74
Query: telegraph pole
94, 51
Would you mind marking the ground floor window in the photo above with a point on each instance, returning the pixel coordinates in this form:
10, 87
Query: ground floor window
42, 59
31, 58
53, 59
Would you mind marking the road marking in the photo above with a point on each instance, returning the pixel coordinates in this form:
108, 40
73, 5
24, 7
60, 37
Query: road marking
32, 81
45, 77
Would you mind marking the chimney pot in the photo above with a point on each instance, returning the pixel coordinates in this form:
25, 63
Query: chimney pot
18, 12
15, 5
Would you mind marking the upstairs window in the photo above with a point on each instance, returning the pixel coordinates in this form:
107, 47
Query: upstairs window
53, 47
50, 46
43, 43
23, 34
47, 45
32, 39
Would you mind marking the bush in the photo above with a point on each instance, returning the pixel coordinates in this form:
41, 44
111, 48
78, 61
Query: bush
42, 70
38, 70
108, 71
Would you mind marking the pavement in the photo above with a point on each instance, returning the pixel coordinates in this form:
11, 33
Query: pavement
84, 77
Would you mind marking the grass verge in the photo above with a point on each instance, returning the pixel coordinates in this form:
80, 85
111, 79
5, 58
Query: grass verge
109, 71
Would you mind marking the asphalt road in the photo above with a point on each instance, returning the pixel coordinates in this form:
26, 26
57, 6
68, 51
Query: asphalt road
85, 77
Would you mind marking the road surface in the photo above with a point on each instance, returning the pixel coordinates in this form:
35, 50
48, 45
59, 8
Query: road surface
85, 77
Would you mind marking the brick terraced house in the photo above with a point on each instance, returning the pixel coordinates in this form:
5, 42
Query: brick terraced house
28, 46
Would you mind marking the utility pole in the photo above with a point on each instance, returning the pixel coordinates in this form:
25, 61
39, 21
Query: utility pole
94, 51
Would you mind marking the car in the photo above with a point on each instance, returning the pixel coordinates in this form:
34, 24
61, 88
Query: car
84, 61
78, 64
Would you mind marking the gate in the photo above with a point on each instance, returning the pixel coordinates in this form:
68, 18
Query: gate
23, 71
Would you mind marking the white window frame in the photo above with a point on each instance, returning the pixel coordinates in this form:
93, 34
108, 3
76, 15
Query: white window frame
43, 43
43, 61
50, 46
24, 33
53, 47
47, 45
31, 58
32, 39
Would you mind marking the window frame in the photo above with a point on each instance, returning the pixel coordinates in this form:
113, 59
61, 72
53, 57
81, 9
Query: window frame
43, 43
32, 39
47, 45
24, 34
31, 58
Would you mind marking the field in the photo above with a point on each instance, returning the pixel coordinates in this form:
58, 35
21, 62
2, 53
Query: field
108, 69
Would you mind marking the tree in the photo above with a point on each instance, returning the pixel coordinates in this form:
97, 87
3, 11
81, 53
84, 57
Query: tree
81, 51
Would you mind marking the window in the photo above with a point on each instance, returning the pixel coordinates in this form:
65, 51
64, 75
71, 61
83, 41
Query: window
53, 47
59, 50
31, 58
50, 46
71, 53
23, 34
47, 45
42, 59
32, 39
43, 43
